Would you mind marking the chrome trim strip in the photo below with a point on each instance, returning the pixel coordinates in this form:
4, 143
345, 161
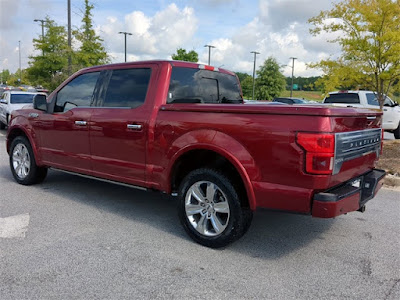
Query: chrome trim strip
101, 179
354, 144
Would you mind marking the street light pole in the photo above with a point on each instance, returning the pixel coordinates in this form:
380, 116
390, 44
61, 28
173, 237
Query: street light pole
125, 33
20, 71
254, 70
41, 21
209, 52
291, 88
69, 38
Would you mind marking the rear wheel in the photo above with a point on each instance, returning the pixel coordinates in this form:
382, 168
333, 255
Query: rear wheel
2, 125
23, 164
397, 132
210, 209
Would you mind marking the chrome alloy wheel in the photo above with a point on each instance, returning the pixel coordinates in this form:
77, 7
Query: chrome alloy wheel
207, 208
21, 161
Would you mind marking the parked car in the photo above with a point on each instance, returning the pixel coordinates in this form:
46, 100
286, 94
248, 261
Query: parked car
368, 99
289, 100
182, 128
245, 101
10, 101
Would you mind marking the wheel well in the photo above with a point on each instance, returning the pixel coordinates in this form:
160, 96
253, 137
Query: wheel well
197, 159
12, 135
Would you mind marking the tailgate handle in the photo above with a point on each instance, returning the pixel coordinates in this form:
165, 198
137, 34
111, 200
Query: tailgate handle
371, 118
134, 126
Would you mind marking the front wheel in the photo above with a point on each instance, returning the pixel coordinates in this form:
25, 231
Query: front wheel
23, 164
210, 209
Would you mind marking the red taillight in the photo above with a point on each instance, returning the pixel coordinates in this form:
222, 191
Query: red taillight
320, 151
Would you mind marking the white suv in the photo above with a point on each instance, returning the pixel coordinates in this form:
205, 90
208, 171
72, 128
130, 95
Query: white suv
368, 99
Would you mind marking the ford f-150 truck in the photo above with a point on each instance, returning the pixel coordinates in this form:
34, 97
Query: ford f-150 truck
183, 129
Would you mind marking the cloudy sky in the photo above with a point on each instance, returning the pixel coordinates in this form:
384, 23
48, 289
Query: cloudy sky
275, 28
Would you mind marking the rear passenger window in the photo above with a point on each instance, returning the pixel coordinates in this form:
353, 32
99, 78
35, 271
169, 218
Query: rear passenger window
78, 92
343, 98
188, 85
372, 99
127, 88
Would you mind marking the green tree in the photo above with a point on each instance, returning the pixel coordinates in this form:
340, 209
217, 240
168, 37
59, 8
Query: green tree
91, 51
4, 76
242, 76
270, 82
369, 35
246, 82
49, 69
181, 54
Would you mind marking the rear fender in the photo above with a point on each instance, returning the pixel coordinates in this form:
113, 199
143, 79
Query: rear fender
222, 144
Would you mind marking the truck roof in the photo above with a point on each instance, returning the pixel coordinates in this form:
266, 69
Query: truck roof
176, 63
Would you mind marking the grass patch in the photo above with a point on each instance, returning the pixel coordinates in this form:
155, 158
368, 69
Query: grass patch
308, 95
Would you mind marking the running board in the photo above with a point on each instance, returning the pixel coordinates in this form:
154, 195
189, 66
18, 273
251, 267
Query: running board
101, 179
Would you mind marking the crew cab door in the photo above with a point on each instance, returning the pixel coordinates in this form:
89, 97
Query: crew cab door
64, 133
391, 117
120, 124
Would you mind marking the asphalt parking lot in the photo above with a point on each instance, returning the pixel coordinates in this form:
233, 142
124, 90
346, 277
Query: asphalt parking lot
74, 238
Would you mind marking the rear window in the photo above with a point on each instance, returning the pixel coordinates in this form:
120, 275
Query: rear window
371, 99
21, 98
190, 85
343, 98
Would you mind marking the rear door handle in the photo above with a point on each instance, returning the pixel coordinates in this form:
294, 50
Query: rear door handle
385, 110
81, 123
134, 126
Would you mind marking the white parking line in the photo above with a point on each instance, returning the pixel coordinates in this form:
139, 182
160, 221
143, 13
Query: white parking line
14, 227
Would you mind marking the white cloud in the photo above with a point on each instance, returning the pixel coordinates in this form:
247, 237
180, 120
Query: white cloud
152, 36
278, 28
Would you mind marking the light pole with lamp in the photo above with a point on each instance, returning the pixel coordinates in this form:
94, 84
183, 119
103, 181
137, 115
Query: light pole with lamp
125, 33
254, 69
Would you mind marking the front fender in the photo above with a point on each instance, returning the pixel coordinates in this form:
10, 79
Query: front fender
222, 144
21, 126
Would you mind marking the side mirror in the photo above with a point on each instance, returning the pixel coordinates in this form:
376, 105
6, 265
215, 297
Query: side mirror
39, 102
4, 101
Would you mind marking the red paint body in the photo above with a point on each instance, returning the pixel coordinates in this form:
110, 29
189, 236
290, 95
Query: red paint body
258, 140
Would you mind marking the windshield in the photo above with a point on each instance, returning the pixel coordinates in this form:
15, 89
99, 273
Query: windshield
21, 98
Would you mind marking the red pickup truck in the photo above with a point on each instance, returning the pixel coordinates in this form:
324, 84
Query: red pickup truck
182, 129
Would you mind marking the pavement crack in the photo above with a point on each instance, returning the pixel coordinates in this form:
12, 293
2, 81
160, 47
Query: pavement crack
396, 281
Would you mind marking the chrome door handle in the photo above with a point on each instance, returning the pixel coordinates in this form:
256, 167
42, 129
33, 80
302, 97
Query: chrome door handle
33, 115
134, 126
385, 110
81, 123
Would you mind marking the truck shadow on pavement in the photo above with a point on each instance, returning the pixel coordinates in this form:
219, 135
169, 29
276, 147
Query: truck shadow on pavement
271, 235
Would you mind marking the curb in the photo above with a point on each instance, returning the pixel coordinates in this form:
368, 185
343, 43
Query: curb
391, 180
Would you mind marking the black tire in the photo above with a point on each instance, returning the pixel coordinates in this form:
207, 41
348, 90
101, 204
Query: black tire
23, 164
397, 132
223, 208
2, 125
